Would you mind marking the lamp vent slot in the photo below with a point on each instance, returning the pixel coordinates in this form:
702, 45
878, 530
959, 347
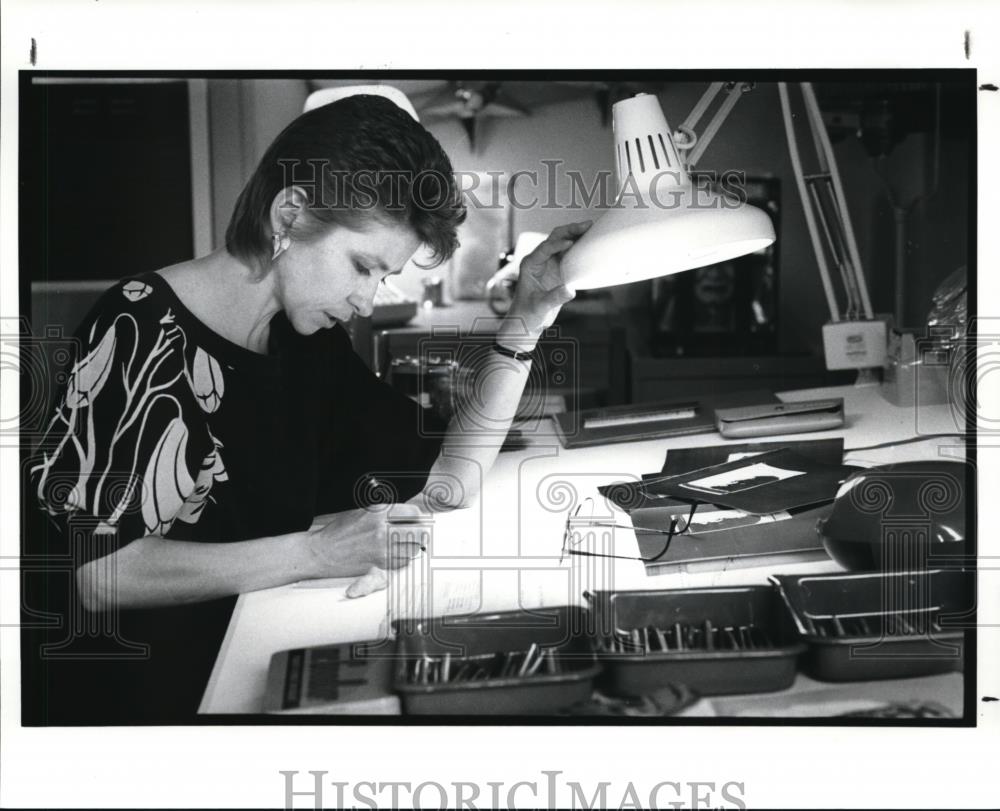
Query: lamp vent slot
628, 157
666, 152
638, 151
652, 151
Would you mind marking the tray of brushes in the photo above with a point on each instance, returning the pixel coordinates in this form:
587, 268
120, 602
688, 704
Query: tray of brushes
506, 663
881, 625
715, 641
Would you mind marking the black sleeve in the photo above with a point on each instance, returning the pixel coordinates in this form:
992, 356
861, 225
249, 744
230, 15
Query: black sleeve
379, 433
124, 448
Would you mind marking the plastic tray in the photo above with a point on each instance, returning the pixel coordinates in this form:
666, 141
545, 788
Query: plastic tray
875, 625
558, 634
761, 660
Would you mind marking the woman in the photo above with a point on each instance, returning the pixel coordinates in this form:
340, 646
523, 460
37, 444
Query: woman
218, 435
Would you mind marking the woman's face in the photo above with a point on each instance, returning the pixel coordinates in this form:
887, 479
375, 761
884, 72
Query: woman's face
332, 276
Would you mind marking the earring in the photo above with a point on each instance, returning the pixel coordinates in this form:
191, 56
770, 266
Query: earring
279, 244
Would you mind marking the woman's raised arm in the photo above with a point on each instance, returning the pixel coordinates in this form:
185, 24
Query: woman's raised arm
483, 416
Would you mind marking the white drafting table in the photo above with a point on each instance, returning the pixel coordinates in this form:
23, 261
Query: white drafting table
504, 552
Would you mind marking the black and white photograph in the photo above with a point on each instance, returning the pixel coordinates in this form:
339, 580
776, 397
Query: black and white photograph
709, 520
300, 355
742, 478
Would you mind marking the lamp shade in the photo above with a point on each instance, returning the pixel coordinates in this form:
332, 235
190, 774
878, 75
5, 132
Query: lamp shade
330, 94
660, 223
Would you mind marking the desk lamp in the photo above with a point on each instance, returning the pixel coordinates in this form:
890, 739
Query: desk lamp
331, 94
661, 223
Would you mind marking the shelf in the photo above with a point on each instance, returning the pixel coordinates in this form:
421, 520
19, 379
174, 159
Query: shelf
663, 378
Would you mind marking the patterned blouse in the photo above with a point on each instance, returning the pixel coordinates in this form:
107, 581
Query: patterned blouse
166, 428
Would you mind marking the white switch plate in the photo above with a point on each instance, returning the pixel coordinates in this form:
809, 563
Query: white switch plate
855, 344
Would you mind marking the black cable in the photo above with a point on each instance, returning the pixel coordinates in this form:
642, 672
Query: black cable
904, 442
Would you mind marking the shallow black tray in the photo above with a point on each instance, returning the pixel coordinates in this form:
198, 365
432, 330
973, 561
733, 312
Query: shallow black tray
767, 666
562, 632
875, 625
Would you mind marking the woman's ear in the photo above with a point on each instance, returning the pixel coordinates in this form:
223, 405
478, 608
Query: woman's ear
287, 206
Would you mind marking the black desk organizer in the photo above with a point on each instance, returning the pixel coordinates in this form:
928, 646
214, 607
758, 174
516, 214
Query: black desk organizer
716, 641
505, 663
880, 625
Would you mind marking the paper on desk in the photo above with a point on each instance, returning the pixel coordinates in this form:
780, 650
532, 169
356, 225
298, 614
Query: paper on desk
932, 447
451, 594
457, 575
415, 594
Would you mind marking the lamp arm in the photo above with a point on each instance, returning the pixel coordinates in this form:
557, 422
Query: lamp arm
839, 233
833, 216
687, 140
852, 246
793, 153
687, 128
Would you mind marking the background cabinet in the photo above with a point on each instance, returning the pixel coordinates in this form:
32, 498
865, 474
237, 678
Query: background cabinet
583, 357
677, 378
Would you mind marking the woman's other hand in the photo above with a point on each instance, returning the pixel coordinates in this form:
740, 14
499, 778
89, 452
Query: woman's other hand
541, 290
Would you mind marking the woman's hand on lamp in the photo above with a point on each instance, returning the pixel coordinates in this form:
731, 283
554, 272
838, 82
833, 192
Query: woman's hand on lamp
541, 290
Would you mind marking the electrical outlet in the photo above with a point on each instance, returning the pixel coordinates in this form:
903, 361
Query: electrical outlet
854, 344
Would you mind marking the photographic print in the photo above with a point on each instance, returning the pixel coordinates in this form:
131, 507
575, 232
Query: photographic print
742, 478
250, 395
704, 522
289, 303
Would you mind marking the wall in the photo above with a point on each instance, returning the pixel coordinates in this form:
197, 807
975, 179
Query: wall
244, 117
569, 132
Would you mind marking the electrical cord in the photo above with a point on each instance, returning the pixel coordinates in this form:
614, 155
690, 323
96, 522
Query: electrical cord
905, 442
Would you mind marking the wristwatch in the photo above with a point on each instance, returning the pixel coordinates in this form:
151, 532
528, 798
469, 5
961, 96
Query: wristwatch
513, 353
